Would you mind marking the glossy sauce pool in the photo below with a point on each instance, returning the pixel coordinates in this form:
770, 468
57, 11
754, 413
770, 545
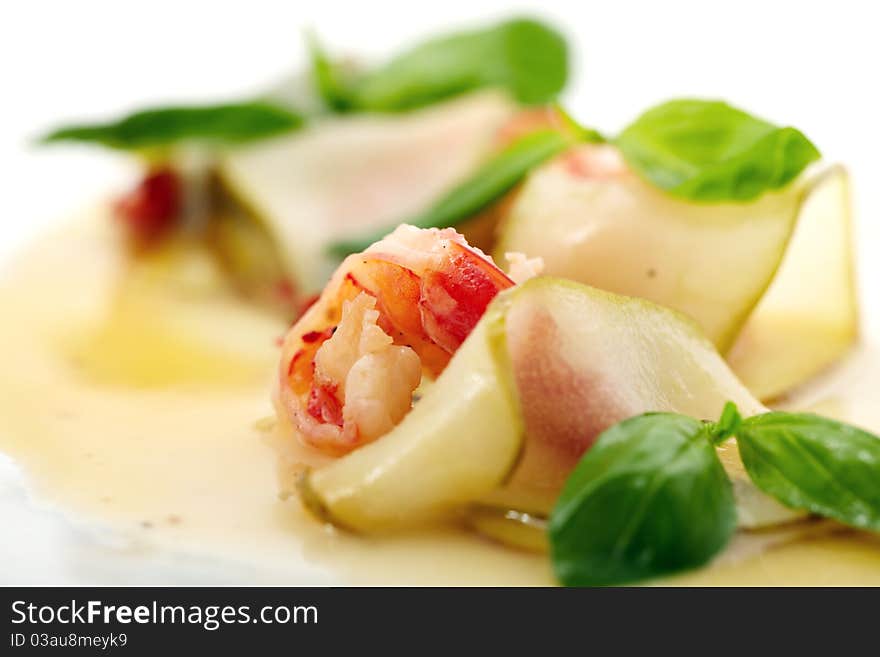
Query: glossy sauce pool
142, 414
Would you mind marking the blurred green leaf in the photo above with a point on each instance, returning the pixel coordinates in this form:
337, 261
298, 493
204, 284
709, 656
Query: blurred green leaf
229, 123
527, 58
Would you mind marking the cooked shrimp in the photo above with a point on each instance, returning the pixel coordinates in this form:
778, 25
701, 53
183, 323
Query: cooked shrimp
350, 365
521, 268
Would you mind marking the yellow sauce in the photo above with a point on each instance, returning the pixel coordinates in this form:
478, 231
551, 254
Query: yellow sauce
115, 408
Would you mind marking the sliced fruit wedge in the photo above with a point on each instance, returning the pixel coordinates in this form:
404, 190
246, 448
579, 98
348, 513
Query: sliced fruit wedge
809, 316
584, 359
514, 528
357, 174
457, 444
593, 221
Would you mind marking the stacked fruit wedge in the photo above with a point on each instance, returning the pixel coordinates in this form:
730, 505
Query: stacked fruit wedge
770, 281
548, 368
698, 206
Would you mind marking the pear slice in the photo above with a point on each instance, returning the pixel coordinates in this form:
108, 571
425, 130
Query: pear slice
584, 359
358, 173
514, 528
457, 444
594, 221
809, 316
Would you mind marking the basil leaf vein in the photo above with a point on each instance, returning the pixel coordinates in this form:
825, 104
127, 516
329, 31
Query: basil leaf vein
809, 462
649, 498
709, 151
229, 123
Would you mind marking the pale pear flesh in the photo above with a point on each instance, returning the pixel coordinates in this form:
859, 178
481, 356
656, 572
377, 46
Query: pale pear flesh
359, 173
618, 233
583, 360
457, 444
808, 318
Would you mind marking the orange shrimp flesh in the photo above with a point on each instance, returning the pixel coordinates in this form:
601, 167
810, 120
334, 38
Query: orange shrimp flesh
350, 365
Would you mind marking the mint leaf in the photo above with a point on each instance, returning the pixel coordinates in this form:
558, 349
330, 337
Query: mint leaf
230, 123
649, 498
486, 185
709, 151
526, 57
809, 462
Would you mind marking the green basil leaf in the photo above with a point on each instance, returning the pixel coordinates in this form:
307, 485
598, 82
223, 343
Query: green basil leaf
649, 498
486, 185
809, 462
523, 56
580, 132
728, 424
231, 123
330, 79
709, 151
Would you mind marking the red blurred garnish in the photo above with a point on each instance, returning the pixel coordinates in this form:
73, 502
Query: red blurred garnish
152, 208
